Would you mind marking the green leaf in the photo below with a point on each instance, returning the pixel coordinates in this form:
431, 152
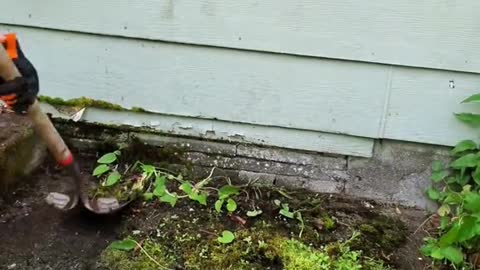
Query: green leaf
160, 186
444, 222
472, 202
453, 198
202, 198
148, 169
464, 146
437, 166
472, 99
187, 188
117, 152
171, 199
466, 161
227, 191
107, 158
148, 196
439, 176
469, 118
437, 253
218, 205
451, 180
450, 237
125, 245
100, 170
226, 238
112, 178
476, 175
254, 213
231, 205
453, 254
432, 249
463, 180
467, 228
433, 194
285, 212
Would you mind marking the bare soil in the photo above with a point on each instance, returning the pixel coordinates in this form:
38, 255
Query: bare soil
35, 236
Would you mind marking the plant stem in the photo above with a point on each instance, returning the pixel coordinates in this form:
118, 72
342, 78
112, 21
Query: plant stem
150, 257
200, 184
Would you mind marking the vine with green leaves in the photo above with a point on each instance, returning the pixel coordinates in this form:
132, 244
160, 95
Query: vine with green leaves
146, 181
456, 187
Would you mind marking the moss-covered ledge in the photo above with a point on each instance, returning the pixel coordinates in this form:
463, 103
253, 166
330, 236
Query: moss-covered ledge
83, 102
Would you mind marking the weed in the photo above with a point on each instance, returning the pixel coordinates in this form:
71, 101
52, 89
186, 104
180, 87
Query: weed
226, 238
456, 188
286, 212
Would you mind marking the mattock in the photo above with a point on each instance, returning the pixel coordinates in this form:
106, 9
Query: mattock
78, 189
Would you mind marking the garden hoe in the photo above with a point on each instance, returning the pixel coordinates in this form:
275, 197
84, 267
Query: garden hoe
57, 147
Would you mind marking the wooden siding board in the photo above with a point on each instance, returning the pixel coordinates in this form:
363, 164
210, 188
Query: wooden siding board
227, 131
423, 102
249, 87
431, 33
236, 132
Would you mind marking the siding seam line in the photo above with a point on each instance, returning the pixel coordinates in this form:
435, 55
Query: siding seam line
386, 106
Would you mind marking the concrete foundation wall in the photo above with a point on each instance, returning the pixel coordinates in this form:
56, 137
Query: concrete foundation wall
398, 172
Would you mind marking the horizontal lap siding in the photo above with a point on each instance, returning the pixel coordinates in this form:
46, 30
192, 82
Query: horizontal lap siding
211, 83
430, 33
423, 102
279, 95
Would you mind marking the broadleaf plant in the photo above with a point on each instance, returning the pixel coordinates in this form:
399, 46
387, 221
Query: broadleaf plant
125, 245
456, 188
227, 237
225, 194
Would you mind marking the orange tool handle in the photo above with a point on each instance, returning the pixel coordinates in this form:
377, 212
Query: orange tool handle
10, 43
41, 123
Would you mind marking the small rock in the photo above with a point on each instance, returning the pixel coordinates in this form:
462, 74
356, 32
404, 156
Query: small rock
12, 266
368, 205
319, 224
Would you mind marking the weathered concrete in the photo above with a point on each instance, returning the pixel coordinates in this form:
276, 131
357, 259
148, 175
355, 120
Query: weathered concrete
398, 172
190, 145
21, 151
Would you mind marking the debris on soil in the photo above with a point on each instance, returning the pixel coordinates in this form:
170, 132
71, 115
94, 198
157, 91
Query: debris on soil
187, 236
272, 228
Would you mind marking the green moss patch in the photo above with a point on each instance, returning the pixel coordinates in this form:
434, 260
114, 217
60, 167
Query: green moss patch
81, 102
179, 222
186, 236
259, 247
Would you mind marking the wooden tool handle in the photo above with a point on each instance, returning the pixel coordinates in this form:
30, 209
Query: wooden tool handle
42, 124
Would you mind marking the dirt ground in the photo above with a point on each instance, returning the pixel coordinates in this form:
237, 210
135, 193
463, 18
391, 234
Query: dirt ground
35, 236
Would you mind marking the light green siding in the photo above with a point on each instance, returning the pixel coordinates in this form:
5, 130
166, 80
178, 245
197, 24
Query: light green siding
327, 76
428, 33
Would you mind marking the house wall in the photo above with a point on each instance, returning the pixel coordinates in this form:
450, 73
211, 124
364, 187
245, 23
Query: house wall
324, 76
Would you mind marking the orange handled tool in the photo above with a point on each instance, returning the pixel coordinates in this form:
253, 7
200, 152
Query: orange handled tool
47, 132
43, 125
